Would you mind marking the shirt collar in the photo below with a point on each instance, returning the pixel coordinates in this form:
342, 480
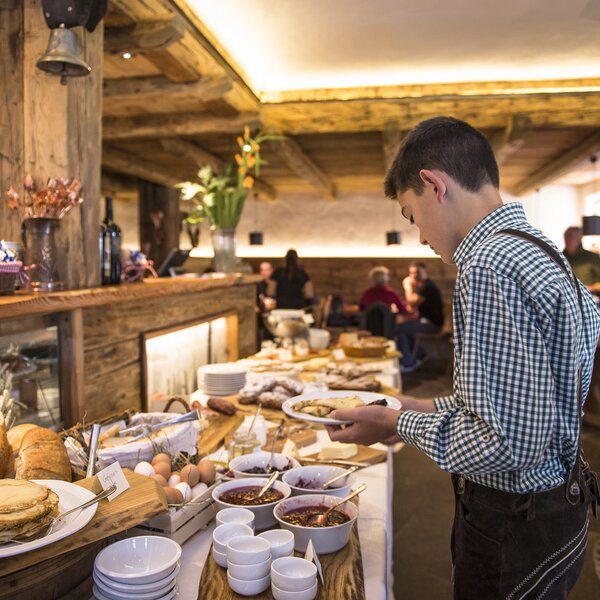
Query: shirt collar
508, 215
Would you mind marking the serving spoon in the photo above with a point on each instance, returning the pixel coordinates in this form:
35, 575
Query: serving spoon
321, 520
340, 476
269, 483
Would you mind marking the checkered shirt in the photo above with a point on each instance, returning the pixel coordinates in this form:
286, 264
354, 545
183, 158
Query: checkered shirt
512, 421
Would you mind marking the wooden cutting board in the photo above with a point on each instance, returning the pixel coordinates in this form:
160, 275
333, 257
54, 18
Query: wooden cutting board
342, 571
365, 454
218, 429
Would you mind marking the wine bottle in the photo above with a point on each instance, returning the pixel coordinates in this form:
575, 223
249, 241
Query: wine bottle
110, 247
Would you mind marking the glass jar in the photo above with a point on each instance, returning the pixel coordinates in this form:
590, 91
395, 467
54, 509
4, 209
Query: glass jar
242, 443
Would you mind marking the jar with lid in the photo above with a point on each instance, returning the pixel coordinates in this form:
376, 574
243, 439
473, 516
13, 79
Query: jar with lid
242, 442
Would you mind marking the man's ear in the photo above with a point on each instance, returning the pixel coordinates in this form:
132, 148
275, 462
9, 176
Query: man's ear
434, 180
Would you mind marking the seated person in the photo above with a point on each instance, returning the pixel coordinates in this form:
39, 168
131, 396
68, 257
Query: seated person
585, 264
381, 292
421, 295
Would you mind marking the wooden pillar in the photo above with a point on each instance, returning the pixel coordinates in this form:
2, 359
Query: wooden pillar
54, 131
160, 220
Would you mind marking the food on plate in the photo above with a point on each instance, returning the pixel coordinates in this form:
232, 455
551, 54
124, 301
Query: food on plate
305, 516
270, 392
338, 451
5, 449
247, 496
25, 508
222, 405
42, 455
321, 407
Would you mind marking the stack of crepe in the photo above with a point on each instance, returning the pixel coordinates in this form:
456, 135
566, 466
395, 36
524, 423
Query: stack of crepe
25, 508
321, 407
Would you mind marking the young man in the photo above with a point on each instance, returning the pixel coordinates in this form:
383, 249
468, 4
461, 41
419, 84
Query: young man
509, 433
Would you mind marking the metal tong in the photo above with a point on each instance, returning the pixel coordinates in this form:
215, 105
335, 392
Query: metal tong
143, 429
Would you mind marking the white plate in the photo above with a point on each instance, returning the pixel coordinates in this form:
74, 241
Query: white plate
69, 496
366, 397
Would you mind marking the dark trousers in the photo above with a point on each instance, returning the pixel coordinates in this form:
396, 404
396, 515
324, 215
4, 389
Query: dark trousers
516, 547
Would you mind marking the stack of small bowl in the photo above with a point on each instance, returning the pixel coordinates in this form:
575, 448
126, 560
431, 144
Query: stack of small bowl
137, 568
293, 578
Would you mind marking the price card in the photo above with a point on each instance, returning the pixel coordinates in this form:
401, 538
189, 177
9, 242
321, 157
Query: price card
339, 354
285, 354
311, 555
113, 475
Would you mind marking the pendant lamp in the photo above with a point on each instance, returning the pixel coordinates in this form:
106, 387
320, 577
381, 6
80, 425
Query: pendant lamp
393, 237
256, 236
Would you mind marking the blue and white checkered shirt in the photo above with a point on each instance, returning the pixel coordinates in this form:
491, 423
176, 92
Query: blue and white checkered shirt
512, 420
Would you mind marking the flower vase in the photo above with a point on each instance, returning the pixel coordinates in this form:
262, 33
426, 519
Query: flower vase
41, 254
223, 241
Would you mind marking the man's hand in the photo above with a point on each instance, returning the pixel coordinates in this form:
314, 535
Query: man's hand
370, 424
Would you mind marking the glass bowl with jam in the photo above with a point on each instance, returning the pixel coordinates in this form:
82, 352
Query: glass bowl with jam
257, 464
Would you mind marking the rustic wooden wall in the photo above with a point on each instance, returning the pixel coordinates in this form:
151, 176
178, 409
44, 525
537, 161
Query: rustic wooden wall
112, 340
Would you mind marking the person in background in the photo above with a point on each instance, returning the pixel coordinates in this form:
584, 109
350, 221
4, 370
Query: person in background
421, 295
525, 334
264, 303
585, 264
290, 285
381, 291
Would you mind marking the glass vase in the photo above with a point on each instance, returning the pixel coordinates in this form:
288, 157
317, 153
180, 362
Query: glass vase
41, 254
223, 241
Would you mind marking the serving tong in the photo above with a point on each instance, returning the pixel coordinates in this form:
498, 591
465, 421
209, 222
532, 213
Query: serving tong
144, 429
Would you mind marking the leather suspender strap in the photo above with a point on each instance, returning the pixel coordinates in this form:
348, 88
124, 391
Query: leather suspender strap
580, 473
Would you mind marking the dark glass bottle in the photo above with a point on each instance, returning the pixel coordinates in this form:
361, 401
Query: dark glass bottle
110, 247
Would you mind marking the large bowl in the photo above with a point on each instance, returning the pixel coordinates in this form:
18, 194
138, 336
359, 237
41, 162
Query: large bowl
325, 539
318, 474
263, 513
259, 459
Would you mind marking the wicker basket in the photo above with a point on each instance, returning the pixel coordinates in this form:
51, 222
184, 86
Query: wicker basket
8, 277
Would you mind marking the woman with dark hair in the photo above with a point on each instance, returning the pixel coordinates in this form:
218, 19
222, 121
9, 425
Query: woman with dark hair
290, 285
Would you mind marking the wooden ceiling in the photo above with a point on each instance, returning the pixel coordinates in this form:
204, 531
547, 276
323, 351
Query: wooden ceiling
177, 104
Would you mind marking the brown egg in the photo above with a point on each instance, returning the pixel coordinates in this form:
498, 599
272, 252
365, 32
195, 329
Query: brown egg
173, 495
208, 471
162, 468
159, 479
190, 475
161, 458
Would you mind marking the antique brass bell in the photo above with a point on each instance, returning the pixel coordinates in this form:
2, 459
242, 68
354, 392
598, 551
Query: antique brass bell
64, 55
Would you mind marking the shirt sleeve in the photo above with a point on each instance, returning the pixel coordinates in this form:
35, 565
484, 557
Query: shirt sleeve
502, 414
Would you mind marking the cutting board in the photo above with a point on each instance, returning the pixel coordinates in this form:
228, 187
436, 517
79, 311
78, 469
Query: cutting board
302, 438
342, 570
365, 454
218, 429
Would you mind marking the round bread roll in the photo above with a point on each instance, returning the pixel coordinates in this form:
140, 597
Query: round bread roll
5, 450
42, 456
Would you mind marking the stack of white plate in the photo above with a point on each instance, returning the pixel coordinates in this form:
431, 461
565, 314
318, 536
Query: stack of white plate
138, 568
222, 379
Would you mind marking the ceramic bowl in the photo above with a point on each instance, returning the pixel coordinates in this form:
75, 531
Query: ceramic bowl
141, 559
223, 533
325, 539
220, 558
281, 541
248, 550
248, 587
318, 339
235, 515
293, 574
137, 588
254, 571
98, 595
113, 594
308, 594
317, 475
263, 513
240, 464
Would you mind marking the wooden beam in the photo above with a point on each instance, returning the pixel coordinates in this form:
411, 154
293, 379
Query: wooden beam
264, 190
175, 125
513, 137
124, 162
144, 35
391, 137
112, 183
305, 168
559, 166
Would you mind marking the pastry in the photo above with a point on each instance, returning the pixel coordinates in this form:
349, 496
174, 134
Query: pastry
321, 407
42, 456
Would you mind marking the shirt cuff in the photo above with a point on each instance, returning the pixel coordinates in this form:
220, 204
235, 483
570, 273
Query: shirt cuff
444, 403
409, 426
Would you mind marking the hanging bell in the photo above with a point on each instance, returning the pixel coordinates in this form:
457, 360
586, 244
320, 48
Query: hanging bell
64, 55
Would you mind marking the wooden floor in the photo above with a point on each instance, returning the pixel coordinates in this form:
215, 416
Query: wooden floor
424, 507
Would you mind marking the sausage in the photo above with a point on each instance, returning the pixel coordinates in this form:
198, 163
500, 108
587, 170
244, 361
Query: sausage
221, 405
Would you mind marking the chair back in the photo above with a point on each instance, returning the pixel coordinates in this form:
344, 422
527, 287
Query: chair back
379, 319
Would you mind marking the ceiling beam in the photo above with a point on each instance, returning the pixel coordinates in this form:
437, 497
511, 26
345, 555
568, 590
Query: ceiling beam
391, 138
111, 183
124, 162
178, 124
305, 168
508, 141
559, 166
144, 35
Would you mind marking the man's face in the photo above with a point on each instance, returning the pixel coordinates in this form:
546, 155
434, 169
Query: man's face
266, 270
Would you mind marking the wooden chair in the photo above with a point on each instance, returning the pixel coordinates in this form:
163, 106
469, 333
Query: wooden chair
379, 319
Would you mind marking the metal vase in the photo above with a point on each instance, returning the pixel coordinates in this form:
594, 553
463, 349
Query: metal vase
41, 254
223, 241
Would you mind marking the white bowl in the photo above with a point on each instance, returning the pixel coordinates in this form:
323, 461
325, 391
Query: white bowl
245, 572
293, 574
263, 513
137, 588
281, 541
318, 474
250, 587
325, 539
220, 558
223, 533
101, 596
114, 594
318, 339
260, 459
236, 515
308, 594
248, 550
141, 559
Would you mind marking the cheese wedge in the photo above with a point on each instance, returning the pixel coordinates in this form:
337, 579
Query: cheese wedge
338, 451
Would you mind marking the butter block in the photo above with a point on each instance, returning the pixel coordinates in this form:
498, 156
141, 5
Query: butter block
338, 450
290, 449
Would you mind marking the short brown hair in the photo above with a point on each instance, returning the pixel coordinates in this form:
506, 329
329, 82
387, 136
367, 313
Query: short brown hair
448, 145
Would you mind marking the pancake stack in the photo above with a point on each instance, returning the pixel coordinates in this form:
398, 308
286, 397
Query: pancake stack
25, 508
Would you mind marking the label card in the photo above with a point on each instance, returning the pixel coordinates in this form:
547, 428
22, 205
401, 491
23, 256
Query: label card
113, 475
285, 354
339, 354
311, 555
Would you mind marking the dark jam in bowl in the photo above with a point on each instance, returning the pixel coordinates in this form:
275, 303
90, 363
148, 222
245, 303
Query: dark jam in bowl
263, 470
309, 484
247, 496
302, 516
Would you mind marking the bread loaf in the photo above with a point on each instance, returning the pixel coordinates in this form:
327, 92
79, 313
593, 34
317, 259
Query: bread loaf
15, 438
42, 456
5, 449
